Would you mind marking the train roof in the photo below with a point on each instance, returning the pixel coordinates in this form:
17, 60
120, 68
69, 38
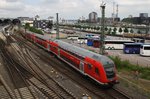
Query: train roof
83, 52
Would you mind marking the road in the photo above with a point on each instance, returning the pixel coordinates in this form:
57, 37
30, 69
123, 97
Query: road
132, 58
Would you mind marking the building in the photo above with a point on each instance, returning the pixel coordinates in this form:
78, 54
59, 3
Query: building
142, 19
25, 20
63, 21
143, 15
93, 17
109, 21
42, 24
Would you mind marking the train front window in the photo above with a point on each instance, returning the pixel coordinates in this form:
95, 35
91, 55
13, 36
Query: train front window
108, 64
97, 71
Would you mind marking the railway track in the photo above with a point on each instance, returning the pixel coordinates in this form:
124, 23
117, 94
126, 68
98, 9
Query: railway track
53, 82
18, 80
53, 86
5, 91
17, 73
67, 71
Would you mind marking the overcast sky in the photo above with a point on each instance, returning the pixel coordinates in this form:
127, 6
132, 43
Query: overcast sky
70, 9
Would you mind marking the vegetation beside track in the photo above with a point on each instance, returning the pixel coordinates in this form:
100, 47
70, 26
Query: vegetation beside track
143, 72
32, 29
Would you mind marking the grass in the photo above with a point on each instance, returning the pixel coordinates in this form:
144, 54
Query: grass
144, 72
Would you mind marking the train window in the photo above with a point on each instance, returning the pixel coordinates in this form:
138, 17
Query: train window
89, 66
97, 71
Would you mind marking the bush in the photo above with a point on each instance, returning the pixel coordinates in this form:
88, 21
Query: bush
32, 29
126, 65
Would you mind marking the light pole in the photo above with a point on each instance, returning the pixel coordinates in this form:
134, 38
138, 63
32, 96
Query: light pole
102, 36
57, 26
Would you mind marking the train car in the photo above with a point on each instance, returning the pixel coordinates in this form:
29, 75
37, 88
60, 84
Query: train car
29, 36
97, 67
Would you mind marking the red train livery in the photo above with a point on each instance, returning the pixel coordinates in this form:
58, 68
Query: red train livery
98, 67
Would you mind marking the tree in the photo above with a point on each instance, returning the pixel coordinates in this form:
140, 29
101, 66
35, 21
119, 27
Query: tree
139, 32
109, 31
106, 29
98, 28
7, 21
16, 21
95, 27
114, 31
131, 31
120, 30
126, 30
1, 21
27, 26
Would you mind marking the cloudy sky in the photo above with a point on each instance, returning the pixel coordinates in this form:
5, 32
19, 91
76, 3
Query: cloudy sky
70, 9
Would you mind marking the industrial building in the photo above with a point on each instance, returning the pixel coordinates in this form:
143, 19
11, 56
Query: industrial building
42, 24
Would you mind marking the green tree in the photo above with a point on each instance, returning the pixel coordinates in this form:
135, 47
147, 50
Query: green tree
95, 27
120, 30
27, 26
106, 29
131, 31
79, 26
98, 28
126, 30
114, 31
109, 31
139, 32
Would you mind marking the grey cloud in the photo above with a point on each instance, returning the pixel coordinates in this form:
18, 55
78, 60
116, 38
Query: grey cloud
12, 0
11, 6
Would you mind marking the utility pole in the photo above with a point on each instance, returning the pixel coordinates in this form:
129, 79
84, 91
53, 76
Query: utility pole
113, 15
102, 36
57, 26
147, 30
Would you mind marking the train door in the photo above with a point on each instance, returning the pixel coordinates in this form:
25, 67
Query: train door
48, 47
81, 67
58, 51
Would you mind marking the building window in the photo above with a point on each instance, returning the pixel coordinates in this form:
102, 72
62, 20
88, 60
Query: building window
97, 71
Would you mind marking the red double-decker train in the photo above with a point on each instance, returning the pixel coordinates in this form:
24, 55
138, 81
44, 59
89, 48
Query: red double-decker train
98, 67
